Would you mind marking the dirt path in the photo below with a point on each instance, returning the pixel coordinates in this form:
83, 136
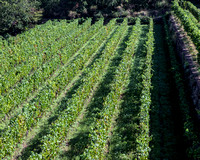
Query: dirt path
166, 126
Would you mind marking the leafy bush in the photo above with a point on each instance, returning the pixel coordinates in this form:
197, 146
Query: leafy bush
16, 15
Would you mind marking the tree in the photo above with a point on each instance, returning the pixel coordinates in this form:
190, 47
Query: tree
16, 15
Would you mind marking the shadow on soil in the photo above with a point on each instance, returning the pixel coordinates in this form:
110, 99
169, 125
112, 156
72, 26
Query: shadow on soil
166, 127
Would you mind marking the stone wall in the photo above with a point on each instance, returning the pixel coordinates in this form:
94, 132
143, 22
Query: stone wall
187, 58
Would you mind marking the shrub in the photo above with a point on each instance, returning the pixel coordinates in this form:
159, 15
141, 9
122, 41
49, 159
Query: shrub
16, 15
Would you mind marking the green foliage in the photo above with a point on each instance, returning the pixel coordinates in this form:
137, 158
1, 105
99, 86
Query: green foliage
144, 138
15, 66
16, 15
75, 104
193, 9
99, 132
31, 112
190, 25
